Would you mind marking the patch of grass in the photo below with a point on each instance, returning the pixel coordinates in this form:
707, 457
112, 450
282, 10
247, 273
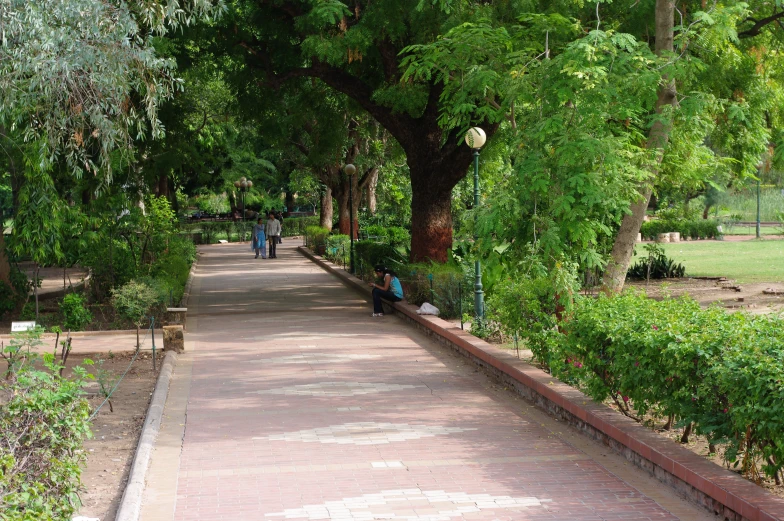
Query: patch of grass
744, 261
752, 230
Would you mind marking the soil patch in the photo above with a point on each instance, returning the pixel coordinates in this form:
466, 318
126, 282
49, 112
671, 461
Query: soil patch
719, 291
115, 434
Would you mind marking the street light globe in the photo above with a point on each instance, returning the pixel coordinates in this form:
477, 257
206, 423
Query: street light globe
243, 183
475, 138
250, 184
237, 184
350, 169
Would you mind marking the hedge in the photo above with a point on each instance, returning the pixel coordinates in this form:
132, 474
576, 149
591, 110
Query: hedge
721, 372
692, 229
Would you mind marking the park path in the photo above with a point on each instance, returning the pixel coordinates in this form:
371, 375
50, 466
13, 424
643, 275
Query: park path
293, 403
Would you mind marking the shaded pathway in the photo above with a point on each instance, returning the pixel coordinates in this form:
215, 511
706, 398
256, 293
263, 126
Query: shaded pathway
301, 406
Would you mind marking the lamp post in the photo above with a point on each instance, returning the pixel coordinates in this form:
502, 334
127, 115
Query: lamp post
350, 170
243, 185
759, 176
475, 138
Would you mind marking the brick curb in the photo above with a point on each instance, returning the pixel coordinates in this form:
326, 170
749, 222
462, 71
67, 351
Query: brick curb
711, 486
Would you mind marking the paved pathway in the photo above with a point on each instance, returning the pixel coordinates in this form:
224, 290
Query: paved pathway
301, 406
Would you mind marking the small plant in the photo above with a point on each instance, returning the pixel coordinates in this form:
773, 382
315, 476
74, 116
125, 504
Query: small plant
106, 381
656, 266
134, 302
75, 313
20, 350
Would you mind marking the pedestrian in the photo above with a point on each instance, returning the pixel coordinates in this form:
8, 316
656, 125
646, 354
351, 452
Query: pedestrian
390, 289
273, 234
258, 240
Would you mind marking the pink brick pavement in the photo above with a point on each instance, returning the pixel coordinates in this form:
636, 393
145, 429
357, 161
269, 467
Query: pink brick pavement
302, 406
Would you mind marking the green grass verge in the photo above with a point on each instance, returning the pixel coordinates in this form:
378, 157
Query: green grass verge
745, 261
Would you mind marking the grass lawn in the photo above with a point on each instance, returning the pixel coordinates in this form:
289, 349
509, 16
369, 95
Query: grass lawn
744, 261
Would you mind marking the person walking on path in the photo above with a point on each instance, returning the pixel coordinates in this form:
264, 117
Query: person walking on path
259, 240
273, 234
390, 289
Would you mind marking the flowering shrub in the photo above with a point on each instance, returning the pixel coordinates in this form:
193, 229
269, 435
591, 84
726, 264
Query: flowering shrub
721, 372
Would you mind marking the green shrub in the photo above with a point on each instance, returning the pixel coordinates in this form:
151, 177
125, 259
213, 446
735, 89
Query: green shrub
338, 249
688, 228
368, 254
394, 235
297, 226
8, 299
720, 372
443, 285
656, 265
43, 422
316, 239
76, 316
135, 300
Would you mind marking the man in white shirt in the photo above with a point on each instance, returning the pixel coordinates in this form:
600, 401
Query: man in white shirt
273, 234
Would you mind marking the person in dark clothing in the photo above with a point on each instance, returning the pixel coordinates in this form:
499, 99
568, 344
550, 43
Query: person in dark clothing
390, 289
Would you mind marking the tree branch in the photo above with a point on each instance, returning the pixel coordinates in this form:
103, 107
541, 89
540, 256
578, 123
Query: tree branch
755, 29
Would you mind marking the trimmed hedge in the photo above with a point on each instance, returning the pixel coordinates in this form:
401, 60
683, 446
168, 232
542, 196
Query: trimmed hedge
692, 229
721, 372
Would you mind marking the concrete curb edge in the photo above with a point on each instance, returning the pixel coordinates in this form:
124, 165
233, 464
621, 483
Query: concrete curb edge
716, 489
130, 505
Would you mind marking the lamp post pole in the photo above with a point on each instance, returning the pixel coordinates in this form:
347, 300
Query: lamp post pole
759, 234
243, 185
475, 138
350, 170
479, 294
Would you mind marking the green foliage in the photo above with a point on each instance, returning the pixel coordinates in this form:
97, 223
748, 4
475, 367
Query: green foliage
213, 203
656, 266
43, 422
688, 228
719, 371
443, 285
68, 72
368, 254
316, 239
76, 316
338, 249
394, 235
8, 299
134, 301
528, 307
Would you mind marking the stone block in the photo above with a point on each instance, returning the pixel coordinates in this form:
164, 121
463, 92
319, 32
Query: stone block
173, 338
176, 316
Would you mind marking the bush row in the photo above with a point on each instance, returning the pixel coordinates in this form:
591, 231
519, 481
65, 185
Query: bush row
721, 373
445, 286
210, 232
688, 228
43, 422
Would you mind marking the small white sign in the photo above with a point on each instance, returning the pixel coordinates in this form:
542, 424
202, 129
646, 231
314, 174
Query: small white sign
22, 326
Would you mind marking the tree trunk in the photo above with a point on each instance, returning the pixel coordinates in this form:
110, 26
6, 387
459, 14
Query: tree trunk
342, 196
163, 186
289, 200
431, 225
370, 191
326, 210
5, 265
623, 247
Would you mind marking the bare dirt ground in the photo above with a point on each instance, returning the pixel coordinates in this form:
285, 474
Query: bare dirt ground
115, 434
723, 292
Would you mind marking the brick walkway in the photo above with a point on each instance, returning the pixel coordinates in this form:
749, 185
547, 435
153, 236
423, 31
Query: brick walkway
301, 406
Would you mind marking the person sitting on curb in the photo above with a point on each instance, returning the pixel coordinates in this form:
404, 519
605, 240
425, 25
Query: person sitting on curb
390, 289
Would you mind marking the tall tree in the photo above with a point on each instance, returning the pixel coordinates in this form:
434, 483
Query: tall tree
356, 49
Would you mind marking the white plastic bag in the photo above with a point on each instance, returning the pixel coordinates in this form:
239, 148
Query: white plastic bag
427, 309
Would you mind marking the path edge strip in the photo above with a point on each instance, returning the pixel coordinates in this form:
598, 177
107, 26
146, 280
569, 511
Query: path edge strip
130, 505
714, 488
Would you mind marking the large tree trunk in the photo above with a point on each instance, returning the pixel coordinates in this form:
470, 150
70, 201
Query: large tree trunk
623, 247
342, 196
431, 224
326, 211
370, 183
289, 200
